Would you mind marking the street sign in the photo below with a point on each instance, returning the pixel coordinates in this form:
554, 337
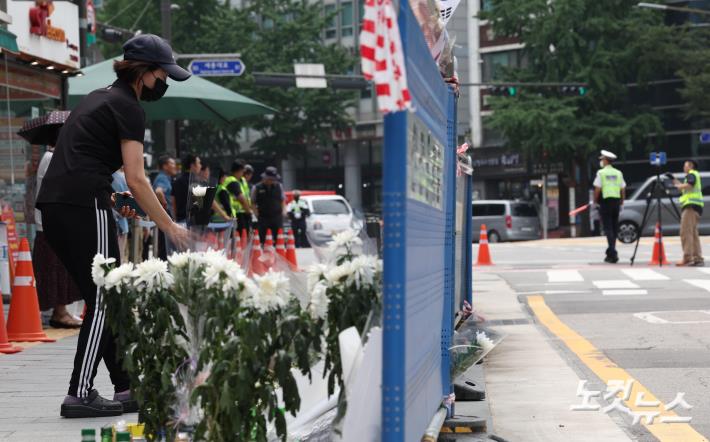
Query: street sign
704, 137
658, 159
308, 71
217, 68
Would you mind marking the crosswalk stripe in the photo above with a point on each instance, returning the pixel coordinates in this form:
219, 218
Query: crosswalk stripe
624, 292
564, 276
703, 270
615, 284
645, 275
702, 283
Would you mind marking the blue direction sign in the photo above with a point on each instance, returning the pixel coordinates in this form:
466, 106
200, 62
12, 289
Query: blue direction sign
704, 137
658, 158
216, 68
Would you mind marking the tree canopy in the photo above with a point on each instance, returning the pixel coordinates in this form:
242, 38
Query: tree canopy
614, 46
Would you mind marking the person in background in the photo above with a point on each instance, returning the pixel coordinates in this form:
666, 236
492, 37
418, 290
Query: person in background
268, 203
248, 175
221, 206
239, 198
55, 287
691, 203
191, 166
119, 185
298, 211
205, 174
609, 192
163, 187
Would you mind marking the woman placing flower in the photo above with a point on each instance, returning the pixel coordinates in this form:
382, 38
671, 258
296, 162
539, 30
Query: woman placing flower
104, 132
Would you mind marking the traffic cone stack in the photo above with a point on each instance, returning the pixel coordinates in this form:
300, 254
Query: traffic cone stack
484, 254
659, 253
291, 251
280, 246
5, 346
245, 239
237, 252
23, 321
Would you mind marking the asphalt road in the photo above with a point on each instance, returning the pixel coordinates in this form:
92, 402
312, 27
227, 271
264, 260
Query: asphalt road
651, 322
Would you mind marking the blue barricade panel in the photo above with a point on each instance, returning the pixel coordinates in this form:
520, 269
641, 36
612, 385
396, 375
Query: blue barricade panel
418, 210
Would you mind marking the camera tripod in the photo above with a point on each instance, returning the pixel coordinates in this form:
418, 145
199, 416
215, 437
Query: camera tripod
655, 196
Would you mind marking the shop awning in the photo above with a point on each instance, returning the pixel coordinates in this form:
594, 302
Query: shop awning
8, 40
194, 99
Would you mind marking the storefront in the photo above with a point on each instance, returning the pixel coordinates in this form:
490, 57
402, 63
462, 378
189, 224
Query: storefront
33, 73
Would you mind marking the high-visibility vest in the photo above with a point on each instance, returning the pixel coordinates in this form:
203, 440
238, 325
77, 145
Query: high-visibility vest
236, 206
246, 191
694, 195
221, 188
611, 179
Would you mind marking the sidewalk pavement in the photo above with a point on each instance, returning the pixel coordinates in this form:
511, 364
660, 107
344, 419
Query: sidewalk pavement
529, 385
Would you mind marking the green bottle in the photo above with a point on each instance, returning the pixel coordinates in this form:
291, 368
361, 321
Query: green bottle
88, 435
123, 436
107, 434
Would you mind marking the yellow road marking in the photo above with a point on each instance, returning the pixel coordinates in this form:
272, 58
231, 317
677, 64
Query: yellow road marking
52, 333
607, 370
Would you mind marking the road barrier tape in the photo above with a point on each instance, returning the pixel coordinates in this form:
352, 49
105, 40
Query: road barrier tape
24, 281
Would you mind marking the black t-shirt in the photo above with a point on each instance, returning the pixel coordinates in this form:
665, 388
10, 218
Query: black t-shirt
235, 189
88, 149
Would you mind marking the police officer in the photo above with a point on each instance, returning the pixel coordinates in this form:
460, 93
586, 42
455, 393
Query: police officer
609, 193
298, 212
239, 198
268, 198
691, 203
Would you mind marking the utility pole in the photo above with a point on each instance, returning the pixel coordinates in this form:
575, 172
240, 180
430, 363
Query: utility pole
166, 28
83, 28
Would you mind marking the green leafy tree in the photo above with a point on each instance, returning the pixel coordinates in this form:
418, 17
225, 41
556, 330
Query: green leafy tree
608, 44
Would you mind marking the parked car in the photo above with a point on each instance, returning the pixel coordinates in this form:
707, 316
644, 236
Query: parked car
631, 216
506, 220
330, 214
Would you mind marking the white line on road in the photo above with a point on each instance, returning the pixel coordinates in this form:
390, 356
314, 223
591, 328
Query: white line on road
553, 292
652, 318
624, 292
564, 276
702, 283
644, 275
704, 270
615, 284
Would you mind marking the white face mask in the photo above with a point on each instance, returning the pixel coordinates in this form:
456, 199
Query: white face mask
601, 163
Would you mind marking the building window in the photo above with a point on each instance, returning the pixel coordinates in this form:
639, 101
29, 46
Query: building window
486, 5
494, 63
346, 19
331, 24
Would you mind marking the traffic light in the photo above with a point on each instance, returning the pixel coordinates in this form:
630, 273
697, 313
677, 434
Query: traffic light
573, 91
503, 91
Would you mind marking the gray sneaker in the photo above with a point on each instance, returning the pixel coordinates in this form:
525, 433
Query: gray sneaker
91, 406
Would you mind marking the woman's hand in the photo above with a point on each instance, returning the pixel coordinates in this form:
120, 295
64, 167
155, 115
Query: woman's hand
179, 236
124, 211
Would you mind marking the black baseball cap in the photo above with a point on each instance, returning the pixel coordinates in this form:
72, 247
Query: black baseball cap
154, 49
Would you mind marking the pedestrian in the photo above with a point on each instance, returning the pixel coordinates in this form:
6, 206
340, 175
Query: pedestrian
239, 198
609, 193
248, 175
691, 203
221, 205
268, 203
163, 187
119, 185
298, 211
205, 174
104, 131
191, 167
55, 287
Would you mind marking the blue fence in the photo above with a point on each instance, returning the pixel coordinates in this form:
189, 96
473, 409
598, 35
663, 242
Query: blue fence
419, 274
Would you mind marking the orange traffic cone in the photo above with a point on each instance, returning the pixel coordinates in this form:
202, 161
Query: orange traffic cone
237, 252
257, 266
5, 346
245, 239
23, 321
659, 253
280, 246
484, 255
291, 250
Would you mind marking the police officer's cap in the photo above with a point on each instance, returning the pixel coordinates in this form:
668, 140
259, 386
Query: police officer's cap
608, 155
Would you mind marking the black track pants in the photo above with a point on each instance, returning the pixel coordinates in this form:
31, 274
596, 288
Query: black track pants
76, 234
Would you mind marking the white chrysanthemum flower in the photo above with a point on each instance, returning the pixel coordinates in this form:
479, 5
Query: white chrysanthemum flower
315, 273
250, 295
180, 260
199, 191
98, 273
119, 277
273, 291
337, 274
344, 240
362, 271
210, 257
318, 305
152, 275
484, 341
223, 272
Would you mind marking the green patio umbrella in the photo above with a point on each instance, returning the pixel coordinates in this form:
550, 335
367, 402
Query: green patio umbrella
194, 99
